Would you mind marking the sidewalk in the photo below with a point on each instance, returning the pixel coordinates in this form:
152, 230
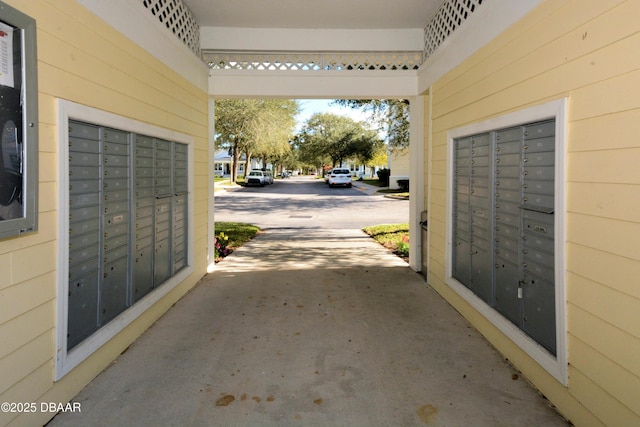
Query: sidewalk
311, 327
367, 188
372, 189
224, 186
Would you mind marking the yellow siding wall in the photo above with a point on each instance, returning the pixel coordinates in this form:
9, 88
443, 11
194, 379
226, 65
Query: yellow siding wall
82, 59
586, 50
399, 164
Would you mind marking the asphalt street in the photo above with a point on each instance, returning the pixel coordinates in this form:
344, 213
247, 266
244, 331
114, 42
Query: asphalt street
307, 202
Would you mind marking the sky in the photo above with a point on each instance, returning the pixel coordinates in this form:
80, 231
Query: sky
310, 106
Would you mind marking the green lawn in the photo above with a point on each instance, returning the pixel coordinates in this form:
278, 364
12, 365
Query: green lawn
398, 193
227, 180
373, 181
392, 236
232, 235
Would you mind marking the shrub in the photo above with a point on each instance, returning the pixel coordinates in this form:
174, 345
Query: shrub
402, 247
392, 236
230, 236
383, 176
220, 244
403, 184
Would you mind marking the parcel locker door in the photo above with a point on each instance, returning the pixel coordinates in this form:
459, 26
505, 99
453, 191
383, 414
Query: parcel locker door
142, 272
83, 308
481, 265
507, 279
179, 232
162, 249
539, 320
481, 270
113, 290
162, 262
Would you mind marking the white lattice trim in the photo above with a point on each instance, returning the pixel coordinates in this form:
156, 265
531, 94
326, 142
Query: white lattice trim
313, 61
178, 19
449, 17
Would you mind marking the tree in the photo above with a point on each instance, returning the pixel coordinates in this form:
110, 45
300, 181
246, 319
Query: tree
380, 157
277, 124
391, 115
254, 126
329, 138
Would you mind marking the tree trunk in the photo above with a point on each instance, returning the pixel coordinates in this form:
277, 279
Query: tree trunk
247, 163
234, 163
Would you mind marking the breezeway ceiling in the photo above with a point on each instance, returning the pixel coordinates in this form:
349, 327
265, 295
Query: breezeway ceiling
314, 14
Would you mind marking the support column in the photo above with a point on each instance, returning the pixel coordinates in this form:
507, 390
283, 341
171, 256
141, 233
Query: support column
211, 187
416, 179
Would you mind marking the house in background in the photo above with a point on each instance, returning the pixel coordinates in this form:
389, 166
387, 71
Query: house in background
524, 124
223, 162
399, 167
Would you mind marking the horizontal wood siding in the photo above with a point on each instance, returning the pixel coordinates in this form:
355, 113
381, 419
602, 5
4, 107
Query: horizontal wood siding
586, 51
84, 60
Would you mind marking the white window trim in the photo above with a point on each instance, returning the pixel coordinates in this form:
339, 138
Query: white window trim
65, 360
555, 365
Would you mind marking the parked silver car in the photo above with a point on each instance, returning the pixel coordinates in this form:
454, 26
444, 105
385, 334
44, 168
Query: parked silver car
259, 177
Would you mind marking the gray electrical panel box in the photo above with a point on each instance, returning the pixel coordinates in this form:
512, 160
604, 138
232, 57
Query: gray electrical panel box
127, 221
503, 224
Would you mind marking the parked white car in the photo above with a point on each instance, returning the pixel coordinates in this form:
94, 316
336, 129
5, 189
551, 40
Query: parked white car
259, 177
339, 176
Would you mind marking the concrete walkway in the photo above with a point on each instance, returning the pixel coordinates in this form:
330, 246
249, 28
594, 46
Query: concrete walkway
311, 327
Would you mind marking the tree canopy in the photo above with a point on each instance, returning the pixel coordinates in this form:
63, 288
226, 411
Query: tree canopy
391, 115
331, 139
255, 127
